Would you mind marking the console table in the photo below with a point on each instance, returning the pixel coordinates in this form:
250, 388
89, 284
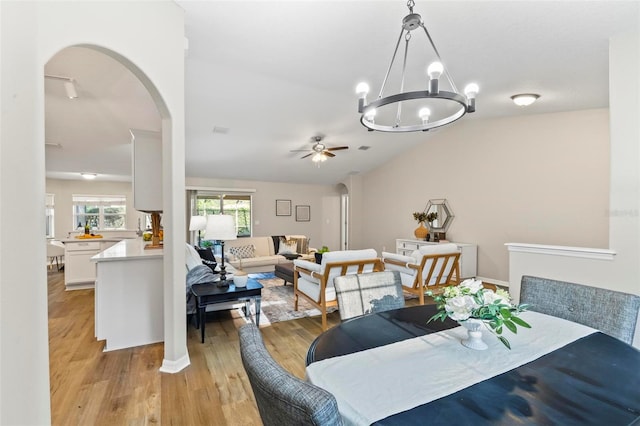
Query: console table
211, 293
468, 254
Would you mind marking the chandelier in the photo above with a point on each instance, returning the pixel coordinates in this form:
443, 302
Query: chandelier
428, 108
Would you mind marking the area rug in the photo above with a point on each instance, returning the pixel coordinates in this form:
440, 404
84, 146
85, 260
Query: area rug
277, 301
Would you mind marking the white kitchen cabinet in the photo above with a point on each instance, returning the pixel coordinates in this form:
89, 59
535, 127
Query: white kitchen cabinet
468, 254
147, 170
79, 271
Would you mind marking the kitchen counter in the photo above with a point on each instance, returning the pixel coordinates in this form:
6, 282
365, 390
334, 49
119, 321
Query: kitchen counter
129, 249
129, 292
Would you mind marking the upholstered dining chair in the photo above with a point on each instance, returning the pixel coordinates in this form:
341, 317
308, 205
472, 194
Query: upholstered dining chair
315, 282
612, 312
430, 268
362, 294
282, 398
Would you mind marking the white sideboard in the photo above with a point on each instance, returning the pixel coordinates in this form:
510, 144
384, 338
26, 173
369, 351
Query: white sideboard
468, 254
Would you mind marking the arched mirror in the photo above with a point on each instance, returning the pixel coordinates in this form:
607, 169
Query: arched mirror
443, 213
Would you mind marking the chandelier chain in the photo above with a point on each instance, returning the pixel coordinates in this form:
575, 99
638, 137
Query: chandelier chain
410, 5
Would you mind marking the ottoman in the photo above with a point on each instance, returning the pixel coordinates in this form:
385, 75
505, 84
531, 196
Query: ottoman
285, 271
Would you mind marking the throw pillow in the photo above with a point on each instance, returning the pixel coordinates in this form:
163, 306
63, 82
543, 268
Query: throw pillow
243, 252
303, 244
288, 247
208, 258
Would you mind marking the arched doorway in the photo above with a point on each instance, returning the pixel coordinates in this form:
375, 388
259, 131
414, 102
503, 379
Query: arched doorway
113, 97
344, 216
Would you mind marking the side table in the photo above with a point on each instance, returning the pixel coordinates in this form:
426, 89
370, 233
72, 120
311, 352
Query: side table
212, 293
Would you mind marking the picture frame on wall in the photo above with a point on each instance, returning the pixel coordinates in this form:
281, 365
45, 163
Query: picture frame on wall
303, 213
283, 207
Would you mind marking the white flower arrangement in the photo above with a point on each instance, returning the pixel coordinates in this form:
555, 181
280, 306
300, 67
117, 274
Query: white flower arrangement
471, 300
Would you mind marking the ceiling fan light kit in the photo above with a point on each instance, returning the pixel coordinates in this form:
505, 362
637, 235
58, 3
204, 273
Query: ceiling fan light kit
445, 106
319, 151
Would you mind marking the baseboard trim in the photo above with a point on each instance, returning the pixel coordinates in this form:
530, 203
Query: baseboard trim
176, 366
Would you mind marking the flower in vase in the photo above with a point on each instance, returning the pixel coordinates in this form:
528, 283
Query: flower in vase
470, 300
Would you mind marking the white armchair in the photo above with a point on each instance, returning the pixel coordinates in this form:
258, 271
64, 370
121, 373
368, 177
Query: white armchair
314, 281
431, 267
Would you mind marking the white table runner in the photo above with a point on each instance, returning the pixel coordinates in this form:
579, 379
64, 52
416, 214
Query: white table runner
376, 383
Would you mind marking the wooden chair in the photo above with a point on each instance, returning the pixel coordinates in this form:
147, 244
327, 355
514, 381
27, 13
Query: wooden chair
314, 282
282, 398
362, 294
430, 268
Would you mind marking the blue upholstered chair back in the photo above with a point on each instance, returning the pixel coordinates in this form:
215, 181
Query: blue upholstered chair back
282, 398
361, 294
612, 312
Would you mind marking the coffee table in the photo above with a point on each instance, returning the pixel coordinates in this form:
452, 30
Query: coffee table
284, 271
212, 293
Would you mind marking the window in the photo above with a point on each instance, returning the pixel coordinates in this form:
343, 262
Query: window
100, 211
238, 206
49, 210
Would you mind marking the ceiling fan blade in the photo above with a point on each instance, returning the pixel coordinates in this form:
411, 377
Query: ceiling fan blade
299, 150
337, 148
311, 153
328, 154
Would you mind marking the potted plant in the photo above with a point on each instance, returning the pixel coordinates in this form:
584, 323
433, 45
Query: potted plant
318, 254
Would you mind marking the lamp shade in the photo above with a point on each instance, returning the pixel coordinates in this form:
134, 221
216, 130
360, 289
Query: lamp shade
198, 223
220, 227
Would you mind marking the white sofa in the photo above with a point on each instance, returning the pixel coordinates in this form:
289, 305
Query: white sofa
264, 257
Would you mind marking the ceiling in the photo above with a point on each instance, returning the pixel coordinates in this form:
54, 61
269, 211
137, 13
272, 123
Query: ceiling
270, 75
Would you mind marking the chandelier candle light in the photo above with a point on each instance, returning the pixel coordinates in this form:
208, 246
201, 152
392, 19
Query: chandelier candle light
435, 107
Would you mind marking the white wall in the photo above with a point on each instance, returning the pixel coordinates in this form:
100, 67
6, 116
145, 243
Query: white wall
622, 272
64, 190
324, 200
540, 179
30, 34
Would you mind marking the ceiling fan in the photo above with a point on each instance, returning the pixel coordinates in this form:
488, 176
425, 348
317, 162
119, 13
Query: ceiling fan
319, 150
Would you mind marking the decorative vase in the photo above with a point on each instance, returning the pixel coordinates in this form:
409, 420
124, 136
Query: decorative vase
421, 232
474, 339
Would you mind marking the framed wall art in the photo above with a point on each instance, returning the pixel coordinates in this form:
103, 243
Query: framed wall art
303, 213
283, 207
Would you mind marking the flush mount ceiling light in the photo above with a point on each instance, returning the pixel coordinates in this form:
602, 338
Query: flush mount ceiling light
89, 176
428, 108
68, 83
524, 99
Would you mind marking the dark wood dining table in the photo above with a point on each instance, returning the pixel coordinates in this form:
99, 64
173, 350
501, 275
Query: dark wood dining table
593, 380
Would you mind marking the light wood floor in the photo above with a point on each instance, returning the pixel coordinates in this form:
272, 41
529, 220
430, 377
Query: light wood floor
124, 387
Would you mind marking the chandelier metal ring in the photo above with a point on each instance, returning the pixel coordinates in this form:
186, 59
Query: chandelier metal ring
420, 94
435, 71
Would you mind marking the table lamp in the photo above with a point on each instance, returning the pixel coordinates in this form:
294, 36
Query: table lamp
198, 223
221, 227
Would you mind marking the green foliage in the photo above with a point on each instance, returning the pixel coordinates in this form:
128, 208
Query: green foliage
420, 216
471, 300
